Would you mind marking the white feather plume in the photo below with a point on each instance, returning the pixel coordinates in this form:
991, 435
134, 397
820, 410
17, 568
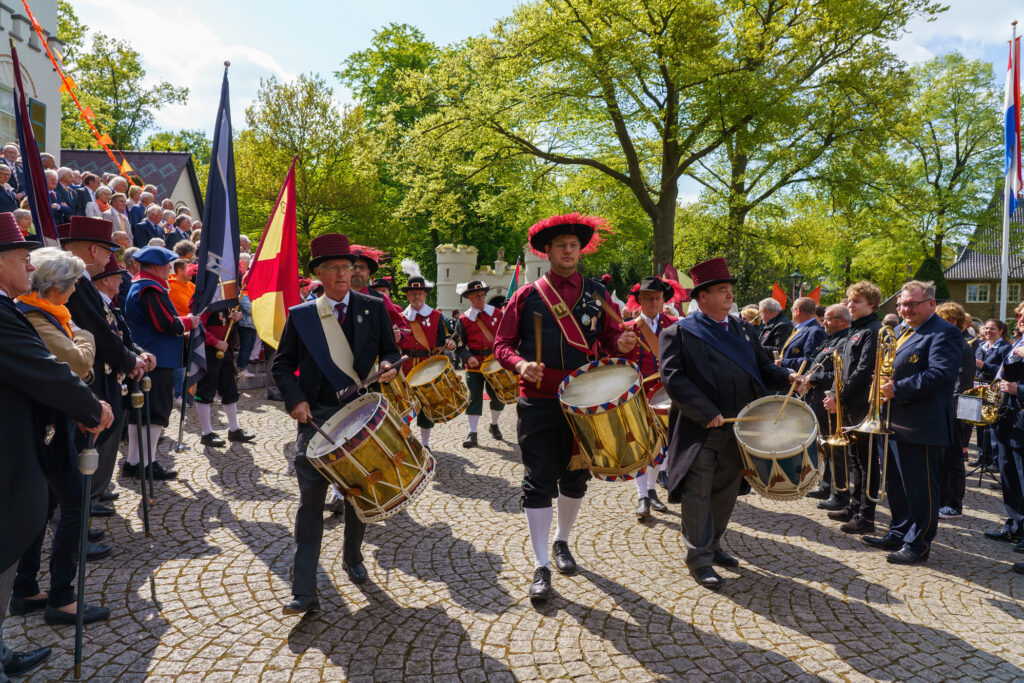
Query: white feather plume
411, 268
461, 288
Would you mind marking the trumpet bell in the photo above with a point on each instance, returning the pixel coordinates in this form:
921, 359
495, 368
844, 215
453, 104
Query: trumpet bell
872, 424
838, 440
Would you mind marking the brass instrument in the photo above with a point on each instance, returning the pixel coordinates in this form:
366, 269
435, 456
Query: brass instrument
838, 438
993, 403
874, 422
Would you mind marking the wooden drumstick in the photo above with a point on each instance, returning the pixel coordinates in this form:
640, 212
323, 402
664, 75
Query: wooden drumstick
789, 395
608, 308
538, 321
321, 432
748, 418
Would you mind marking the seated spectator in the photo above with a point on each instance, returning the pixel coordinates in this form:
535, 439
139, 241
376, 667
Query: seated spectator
118, 184
145, 230
167, 205
244, 245
118, 213
167, 219
76, 178
185, 250
123, 240
140, 211
133, 195
183, 210
49, 162
97, 208
196, 235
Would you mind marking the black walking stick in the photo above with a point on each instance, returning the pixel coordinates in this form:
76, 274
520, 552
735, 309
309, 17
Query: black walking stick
88, 461
147, 384
137, 400
179, 447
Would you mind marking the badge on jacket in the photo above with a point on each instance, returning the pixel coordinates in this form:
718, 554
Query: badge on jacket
913, 358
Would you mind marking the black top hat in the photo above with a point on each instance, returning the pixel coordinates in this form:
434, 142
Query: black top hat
707, 273
10, 234
473, 286
89, 229
498, 300
417, 283
330, 246
656, 284
384, 282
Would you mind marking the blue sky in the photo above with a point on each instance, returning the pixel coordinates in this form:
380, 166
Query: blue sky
187, 41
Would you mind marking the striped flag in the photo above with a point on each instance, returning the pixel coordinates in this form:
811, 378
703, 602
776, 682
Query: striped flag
272, 281
514, 285
1011, 109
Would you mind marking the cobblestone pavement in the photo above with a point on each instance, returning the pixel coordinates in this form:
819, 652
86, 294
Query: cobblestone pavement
447, 593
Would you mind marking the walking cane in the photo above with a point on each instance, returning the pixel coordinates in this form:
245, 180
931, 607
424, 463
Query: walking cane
147, 384
137, 400
88, 461
180, 447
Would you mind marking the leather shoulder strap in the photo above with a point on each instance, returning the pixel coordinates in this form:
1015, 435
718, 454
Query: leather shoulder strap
419, 335
566, 322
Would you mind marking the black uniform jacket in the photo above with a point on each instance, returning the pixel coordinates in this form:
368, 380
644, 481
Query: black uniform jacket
775, 332
113, 354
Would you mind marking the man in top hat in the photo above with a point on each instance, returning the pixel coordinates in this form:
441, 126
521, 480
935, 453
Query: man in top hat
333, 342
221, 339
712, 365
476, 343
90, 239
651, 295
157, 327
574, 327
366, 265
806, 338
428, 332
775, 327
35, 391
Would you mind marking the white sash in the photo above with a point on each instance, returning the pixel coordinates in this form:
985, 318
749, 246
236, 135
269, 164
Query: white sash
337, 342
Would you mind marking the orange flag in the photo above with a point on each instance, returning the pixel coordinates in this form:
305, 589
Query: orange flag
272, 281
778, 294
816, 294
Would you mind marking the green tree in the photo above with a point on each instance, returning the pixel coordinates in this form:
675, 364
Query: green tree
194, 141
931, 270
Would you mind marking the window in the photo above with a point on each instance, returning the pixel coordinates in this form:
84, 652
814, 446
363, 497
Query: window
37, 114
1014, 288
8, 129
978, 293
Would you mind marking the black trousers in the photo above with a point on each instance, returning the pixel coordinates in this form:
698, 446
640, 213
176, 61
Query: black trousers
546, 441
1009, 443
912, 484
219, 378
952, 475
107, 446
475, 382
309, 527
862, 461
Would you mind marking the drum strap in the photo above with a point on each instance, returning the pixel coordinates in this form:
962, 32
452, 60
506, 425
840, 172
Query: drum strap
337, 342
488, 335
650, 341
564, 318
420, 335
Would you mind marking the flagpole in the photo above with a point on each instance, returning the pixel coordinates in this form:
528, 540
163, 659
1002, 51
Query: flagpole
1007, 189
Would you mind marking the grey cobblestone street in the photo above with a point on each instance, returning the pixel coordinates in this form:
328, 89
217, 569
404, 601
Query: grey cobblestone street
446, 599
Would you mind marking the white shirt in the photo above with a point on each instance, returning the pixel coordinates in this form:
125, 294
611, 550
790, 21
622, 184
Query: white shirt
3, 293
411, 314
106, 299
472, 313
334, 303
651, 322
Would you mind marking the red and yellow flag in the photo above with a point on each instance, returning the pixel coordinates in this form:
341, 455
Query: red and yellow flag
272, 281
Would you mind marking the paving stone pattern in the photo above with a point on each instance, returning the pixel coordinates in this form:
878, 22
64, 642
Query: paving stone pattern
446, 599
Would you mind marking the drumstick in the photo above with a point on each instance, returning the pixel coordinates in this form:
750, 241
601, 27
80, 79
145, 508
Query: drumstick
538, 321
321, 432
748, 418
792, 387
608, 308
345, 393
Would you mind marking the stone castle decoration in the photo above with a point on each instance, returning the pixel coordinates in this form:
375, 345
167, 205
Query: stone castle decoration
457, 263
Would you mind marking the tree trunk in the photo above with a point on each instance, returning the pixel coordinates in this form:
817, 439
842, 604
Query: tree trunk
937, 247
664, 227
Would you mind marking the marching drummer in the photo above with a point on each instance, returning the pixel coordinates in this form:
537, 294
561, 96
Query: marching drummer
712, 365
366, 265
427, 333
651, 294
327, 362
573, 326
476, 342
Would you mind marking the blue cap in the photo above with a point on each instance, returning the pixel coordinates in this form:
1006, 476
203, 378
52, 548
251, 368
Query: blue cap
155, 256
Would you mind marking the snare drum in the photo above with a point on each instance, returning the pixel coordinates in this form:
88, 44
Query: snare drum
503, 383
400, 398
660, 404
610, 418
441, 393
780, 460
373, 459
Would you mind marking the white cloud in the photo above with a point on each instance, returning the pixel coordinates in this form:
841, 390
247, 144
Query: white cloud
976, 28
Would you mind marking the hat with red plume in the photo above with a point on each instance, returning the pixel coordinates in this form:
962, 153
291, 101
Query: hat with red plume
588, 228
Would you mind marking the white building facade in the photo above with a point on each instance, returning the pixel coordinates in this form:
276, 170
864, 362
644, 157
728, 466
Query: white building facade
457, 263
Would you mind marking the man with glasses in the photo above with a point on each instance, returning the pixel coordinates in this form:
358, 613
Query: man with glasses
366, 264
920, 407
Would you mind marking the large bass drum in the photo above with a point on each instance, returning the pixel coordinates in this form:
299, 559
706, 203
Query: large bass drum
372, 458
610, 417
780, 459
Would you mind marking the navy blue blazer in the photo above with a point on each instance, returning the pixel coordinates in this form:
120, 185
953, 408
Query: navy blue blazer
991, 359
143, 232
7, 201
136, 214
925, 373
803, 345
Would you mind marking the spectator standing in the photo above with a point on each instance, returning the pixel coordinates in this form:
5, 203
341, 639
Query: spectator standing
145, 230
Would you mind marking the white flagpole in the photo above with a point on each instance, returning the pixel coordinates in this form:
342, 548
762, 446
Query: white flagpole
1004, 286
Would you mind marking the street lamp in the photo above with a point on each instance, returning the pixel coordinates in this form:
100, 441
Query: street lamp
795, 278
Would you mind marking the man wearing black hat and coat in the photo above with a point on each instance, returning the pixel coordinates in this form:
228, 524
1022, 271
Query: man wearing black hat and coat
712, 365
313, 396
478, 325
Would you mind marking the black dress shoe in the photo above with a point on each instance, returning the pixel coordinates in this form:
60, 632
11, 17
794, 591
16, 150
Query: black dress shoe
906, 556
656, 504
858, 525
724, 559
495, 433
301, 604
973, 463
95, 551
564, 561
108, 496
129, 470
1019, 548
240, 436
356, 573
832, 503
707, 577
1018, 567
820, 493
274, 394
886, 542
470, 441
663, 479
21, 606
54, 616
840, 515
95, 535
540, 589
23, 662
97, 510
212, 439
643, 509
1002, 535
160, 474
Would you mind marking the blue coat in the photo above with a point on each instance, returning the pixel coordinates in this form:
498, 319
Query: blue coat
925, 373
803, 345
143, 232
991, 358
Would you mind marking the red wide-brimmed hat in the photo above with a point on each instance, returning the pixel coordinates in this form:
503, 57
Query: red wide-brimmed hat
112, 268
330, 246
88, 229
587, 228
709, 273
10, 234
369, 254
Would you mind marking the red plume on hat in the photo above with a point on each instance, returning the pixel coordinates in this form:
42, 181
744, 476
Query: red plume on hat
370, 254
588, 228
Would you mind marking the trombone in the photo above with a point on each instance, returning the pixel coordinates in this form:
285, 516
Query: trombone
838, 439
874, 423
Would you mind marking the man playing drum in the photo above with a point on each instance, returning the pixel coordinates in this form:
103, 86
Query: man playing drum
479, 324
573, 328
327, 363
712, 365
367, 263
652, 294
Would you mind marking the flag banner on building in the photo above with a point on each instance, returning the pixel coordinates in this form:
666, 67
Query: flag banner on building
778, 294
1011, 110
272, 281
514, 284
36, 189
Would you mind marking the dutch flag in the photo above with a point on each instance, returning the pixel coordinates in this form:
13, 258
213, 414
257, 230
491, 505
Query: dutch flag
1011, 108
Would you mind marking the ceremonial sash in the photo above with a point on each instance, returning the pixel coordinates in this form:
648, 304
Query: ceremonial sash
732, 346
337, 342
564, 318
314, 333
419, 335
486, 330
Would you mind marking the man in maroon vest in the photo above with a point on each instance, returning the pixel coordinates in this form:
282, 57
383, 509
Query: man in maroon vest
478, 326
581, 330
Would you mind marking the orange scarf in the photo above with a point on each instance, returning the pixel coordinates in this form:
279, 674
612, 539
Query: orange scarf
60, 312
102, 204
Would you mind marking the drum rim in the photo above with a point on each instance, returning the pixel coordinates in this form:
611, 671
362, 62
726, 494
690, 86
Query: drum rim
423, 363
763, 454
606, 405
359, 437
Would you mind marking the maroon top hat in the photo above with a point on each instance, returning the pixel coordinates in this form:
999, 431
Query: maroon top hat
112, 268
330, 246
368, 254
10, 234
584, 227
709, 273
86, 229
62, 230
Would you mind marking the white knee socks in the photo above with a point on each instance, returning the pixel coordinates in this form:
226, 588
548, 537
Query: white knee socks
641, 485
474, 420
204, 417
495, 414
425, 436
133, 445
231, 411
539, 522
567, 510
135, 449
